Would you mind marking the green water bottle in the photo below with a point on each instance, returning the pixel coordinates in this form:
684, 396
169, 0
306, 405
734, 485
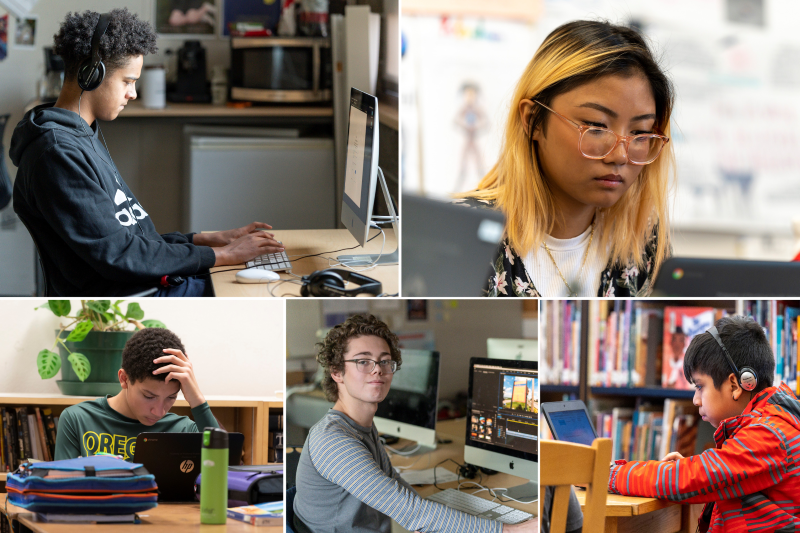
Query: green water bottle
214, 477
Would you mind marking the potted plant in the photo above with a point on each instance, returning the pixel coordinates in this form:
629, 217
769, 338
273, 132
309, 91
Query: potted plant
90, 354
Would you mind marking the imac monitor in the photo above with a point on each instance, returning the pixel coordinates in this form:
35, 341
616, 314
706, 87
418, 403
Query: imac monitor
409, 410
503, 421
515, 349
361, 166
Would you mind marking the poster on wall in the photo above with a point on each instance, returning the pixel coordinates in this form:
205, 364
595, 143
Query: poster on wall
25, 33
3, 37
258, 13
187, 17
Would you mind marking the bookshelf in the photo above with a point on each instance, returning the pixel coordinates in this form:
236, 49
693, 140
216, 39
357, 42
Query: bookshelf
246, 415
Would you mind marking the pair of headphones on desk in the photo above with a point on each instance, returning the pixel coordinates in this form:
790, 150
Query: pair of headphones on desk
92, 71
747, 377
332, 282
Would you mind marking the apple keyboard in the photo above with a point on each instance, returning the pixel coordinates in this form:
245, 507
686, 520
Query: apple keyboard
275, 262
470, 504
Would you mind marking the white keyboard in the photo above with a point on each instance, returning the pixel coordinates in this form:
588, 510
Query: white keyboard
476, 506
274, 262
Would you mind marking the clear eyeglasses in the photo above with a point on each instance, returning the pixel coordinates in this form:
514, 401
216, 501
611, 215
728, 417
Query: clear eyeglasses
597, 143
366, 366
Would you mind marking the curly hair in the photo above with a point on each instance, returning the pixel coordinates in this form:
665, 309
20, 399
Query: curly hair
330, 353
145, 346
127, 36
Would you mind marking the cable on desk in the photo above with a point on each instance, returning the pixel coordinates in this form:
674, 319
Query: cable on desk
458, 480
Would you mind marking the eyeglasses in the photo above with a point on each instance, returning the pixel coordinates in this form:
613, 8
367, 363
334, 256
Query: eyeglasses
366, 366
597, 143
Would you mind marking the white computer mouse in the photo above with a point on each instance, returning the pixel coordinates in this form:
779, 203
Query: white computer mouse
256, 275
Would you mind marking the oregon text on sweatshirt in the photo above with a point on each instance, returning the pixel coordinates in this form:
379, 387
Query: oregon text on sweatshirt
93, 236
93, 426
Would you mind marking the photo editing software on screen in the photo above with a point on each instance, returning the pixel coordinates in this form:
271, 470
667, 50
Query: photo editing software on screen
505, 407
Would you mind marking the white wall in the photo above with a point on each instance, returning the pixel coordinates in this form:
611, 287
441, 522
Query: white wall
236, 346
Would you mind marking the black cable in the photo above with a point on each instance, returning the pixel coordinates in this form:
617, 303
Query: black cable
458, 479
337, 251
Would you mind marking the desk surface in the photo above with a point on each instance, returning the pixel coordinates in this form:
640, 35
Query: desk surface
618, 505
172, 517
454, 430
299, 243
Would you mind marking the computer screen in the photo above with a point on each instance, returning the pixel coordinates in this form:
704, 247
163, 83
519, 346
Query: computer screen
512, 349
409, 410
361, 166
503, 417
573, 426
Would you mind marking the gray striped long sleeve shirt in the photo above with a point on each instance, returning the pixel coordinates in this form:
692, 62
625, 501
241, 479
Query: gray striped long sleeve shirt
346, 483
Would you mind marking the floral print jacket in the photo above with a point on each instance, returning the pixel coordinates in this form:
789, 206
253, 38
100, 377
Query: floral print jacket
510, 278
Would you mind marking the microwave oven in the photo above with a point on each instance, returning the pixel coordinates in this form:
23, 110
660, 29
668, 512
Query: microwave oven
281, 69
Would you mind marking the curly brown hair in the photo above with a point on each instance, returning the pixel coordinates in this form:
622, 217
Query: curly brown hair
143, 347
330, 352
127, 36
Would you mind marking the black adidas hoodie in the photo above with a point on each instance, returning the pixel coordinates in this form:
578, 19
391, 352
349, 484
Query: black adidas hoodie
93, 235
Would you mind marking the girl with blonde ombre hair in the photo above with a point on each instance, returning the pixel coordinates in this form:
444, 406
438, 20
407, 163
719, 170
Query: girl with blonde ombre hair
584, 170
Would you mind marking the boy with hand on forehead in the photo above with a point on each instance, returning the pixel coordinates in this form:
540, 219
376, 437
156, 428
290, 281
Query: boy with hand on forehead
154, 369
750, 480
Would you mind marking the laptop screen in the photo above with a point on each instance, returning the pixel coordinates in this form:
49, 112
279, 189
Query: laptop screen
572, 426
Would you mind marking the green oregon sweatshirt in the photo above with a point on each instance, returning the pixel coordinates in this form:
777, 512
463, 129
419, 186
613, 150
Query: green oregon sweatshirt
93, 426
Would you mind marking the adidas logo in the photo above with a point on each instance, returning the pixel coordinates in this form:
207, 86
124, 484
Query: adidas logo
128, 217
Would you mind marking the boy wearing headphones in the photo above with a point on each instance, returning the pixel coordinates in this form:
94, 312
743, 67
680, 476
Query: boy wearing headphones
750, 481
93, 235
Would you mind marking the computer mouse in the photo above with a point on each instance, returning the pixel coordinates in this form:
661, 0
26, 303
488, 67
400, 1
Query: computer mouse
256, 275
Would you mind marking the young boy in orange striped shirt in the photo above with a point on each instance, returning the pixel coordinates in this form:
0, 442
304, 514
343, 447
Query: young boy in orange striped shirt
751, 480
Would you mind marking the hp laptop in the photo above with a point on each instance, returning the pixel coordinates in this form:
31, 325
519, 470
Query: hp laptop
174, 459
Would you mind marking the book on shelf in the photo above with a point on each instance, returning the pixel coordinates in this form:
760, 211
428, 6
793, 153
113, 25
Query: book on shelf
562, 346
28, 433
780, 320
681, 325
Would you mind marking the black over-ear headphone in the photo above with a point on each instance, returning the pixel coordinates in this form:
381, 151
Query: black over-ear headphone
331, 282
747, 377
92, 71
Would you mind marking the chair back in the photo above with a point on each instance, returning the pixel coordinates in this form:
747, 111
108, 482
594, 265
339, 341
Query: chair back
290, 494
563, 464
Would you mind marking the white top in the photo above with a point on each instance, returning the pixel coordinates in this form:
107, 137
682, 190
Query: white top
568, 254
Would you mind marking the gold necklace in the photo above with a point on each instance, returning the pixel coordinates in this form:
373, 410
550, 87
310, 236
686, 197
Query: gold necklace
572, 294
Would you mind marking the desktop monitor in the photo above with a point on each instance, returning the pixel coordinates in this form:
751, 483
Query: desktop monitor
514, 349
503, 421
361, 166
361, 178
409, 410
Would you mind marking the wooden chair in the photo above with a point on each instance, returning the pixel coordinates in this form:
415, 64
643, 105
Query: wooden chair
562, 464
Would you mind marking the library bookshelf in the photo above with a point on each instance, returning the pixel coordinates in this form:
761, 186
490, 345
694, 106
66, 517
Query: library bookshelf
244, 414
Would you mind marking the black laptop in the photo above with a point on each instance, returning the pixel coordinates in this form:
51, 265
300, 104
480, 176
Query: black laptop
174, 460
727, 278
448, 250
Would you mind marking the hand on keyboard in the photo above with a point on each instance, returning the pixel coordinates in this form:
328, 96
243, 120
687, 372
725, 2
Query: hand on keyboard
246, 248
222, 238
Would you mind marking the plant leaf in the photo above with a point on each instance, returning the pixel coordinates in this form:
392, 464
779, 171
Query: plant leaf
48, 363
135, 311
101, 306
81, 330
152, 323
58, 307
80, 365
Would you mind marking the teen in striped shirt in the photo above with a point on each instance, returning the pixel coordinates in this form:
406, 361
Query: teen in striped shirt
345, 481
750, 480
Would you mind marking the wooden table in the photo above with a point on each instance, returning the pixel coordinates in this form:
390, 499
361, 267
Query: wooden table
167, 517
454, 430
300, 243
632, 514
